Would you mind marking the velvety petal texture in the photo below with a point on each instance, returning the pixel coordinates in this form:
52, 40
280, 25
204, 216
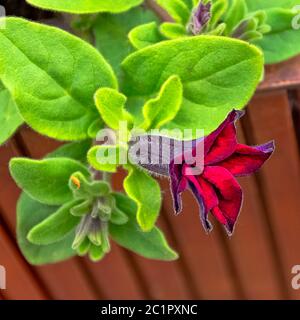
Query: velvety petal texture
215, 188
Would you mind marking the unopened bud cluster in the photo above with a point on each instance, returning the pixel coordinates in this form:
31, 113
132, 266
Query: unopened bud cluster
97, 208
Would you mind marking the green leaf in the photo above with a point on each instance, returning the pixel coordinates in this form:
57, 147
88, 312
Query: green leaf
218, 9
29, 214
96, 253
218, 31
177, 9
82, 188
104, 157
214, 81
55, 227
151, 245
53, 85
86, 6
46, 180
251, 36
165, 106
236, 13
118, 216
145, 35
84, 207
110, 32
74, 150
172, 30
111, 106
254, 5
145, 191
95, 127
10, 118
282, 42
84, 247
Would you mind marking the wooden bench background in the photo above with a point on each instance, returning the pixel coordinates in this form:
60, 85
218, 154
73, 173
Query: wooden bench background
255, 263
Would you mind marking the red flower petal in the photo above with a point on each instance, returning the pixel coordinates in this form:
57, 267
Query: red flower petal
206, 197
221, 143
247, 160
229, 194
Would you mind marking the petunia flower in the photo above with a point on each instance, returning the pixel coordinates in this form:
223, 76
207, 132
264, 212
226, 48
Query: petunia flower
214, 183
200, 17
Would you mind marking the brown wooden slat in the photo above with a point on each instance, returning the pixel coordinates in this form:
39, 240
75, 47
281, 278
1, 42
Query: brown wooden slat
251, 243
20, 282
115, 275
163, 280
9, 192
270, 118
294, 99
207, 262
35, 145
66, 280
282, 75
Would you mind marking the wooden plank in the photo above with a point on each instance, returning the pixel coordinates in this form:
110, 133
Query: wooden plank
9, 193
294, 100
20, 282
206, 259
165, 280
162, 280
270, 117
259, 280
67, 281
35, 145
115, 275
282, 75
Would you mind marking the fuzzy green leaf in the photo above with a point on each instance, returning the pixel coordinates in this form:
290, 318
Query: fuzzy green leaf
282, 42
172, 30
235, 14
82, 188
152, 245
110, 32
177, 9
145, 35
162, 109
55, 227
254, 5
145, 191
53, 85
218, 9
118, 216
95, 127
96, 253
46, 180
86, 6
214, 81
74, 150
111, 106
10, 118
29, 214
104, 157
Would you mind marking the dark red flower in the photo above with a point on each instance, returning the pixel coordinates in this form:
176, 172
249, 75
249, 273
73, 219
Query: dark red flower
215, 187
